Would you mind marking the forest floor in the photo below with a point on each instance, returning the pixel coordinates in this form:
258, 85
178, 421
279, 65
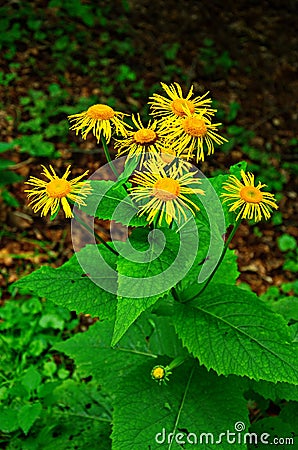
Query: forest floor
259, 74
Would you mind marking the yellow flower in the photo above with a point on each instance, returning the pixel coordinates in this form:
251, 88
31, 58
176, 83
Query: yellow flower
253, 203
176, 105
168, 157
47, 195
144, 139
162, 192
191, 132
158, 373
100, 119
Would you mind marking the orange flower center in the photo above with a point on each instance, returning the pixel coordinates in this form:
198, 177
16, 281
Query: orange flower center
100, 112
58, 188
180, 104
145, 136
194, 126
250, 194
166, 189
158, 373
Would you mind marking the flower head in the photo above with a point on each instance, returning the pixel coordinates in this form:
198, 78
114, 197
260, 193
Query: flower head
191, 132
47, 195
253, 202
176, 105
100, 119
160, 374
163, 192
168, 158
140, 141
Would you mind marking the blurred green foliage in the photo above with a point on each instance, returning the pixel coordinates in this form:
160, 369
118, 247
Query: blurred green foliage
42, 399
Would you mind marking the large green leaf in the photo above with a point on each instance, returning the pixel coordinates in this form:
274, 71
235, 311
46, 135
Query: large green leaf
110, 201
216, 184
275, 391
72, 285
193, 406
227, 273
150, 338
275, 432
94, 356
128, 310
193, 399
149, 265
231, 331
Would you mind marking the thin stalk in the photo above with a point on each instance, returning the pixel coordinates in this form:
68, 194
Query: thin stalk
108, 156
232, 234
96, 235
175, 295
182, 405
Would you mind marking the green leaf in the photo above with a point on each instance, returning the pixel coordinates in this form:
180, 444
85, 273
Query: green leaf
157, 334
193, 401
130, 166
79, 416
8, 419
287, 307
125, 371
231, 331
272, 428
289, 414
35, 145
51, 320
211, 244
217, 184
227, 273
151, 262
28, 415
109, 201
5, 163
31, 379
4, 146
128, 310
275, 391
9, 177
149, 338
236, 168
109, 363
201, 256
286, 242
9, 199
291, 265
72, 285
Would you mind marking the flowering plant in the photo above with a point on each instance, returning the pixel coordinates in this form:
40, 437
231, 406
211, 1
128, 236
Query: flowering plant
165, 294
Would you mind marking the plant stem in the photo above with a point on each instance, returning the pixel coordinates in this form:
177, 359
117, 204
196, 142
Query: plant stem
108, 156
232, 234
91, 231
175, 295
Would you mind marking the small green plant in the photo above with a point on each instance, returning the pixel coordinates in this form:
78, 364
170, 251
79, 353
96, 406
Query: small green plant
212, 60
7, 176
7, 78
44, 125
42, 400
288, 245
